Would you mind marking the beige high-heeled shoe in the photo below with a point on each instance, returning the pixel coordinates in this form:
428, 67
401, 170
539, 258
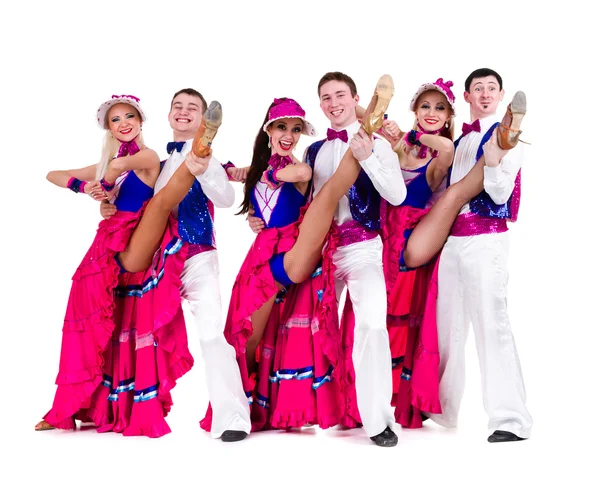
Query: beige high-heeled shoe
43, 425
372, 120
211, 121
509, 129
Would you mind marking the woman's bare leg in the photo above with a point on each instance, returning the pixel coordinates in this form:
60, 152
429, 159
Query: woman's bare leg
431, 233
149, 232
301, 260
259, 322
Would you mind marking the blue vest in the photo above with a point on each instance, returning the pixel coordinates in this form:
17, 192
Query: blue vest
482, 204
364, 200
195, 221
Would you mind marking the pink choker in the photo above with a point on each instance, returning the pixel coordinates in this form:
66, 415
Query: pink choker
128, 148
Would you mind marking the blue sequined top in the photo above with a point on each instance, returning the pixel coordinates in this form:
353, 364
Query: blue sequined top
133, 193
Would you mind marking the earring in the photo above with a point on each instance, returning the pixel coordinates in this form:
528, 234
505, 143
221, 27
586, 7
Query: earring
269, 144
447, 125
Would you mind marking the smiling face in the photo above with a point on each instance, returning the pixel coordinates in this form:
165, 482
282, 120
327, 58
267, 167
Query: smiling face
124, 122
284, 135
432, 111
484, 96
338, 104
185, 116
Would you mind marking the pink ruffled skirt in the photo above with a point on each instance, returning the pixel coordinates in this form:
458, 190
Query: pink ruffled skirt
124, 341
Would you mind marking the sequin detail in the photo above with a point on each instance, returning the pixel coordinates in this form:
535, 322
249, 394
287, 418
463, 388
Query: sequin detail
515, 199
197, 249
483, 205
365, 201
195, 217
354, 232
471, 224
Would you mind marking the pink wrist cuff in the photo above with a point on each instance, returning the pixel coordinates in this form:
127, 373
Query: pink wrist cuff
226, 166
78, 186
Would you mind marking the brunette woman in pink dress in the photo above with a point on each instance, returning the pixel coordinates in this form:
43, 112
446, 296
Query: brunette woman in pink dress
124, 341
282, 302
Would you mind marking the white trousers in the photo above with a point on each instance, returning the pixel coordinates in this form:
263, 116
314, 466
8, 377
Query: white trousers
360, 268
200, 287
473, 278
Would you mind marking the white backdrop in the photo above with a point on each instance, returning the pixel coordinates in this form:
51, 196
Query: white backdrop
60, 60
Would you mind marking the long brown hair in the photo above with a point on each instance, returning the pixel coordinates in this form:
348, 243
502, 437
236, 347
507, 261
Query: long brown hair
260, 160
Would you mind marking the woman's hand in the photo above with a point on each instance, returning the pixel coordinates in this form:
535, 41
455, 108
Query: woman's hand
95, 190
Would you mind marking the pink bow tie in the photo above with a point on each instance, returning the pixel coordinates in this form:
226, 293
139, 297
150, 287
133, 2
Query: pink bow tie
333, 134
473, 127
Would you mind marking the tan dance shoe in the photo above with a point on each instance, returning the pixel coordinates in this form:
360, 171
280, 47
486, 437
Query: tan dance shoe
372, 120
211, 121
509, 129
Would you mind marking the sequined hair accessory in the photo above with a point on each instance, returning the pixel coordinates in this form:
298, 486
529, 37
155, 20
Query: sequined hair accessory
288, 108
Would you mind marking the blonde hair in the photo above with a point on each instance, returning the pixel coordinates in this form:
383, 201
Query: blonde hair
110, 147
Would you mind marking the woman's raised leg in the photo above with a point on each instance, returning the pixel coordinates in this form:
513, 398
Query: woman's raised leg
302, 259
429, 236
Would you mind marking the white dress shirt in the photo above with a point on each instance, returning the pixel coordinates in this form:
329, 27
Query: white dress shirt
498, 181
382, 167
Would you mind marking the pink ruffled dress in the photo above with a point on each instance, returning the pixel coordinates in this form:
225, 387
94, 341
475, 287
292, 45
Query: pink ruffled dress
297, 381
124, 341
412, 298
